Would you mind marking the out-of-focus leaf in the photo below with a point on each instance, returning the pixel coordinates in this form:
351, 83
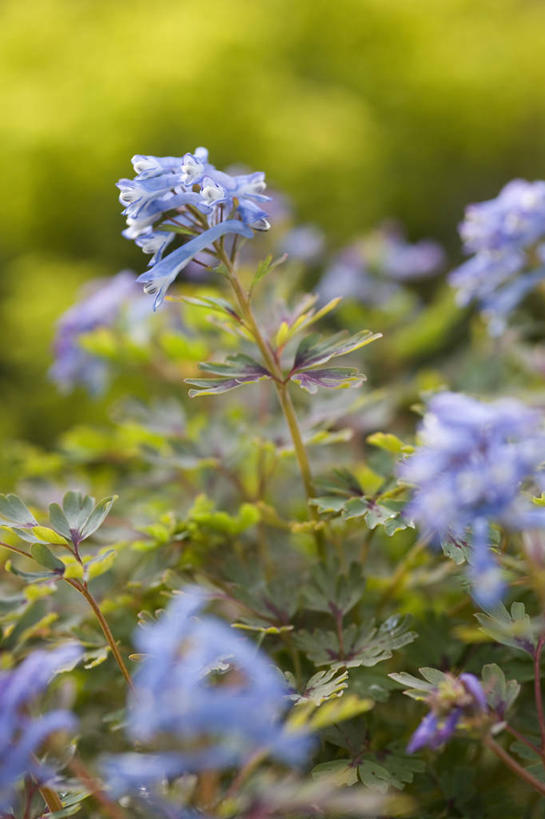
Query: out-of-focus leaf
14, 510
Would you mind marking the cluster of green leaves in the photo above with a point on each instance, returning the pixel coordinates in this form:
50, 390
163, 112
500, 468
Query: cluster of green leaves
339, 592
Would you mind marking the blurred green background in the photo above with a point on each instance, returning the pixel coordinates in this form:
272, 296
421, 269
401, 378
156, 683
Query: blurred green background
358, 109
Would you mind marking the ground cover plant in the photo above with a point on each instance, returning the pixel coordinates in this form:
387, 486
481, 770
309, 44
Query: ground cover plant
301, 569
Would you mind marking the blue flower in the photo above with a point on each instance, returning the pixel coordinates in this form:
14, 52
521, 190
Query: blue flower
503, 234
452, 700
371, 269
20, 735
210, 691
100, 307
467, 473
304, 243
178, 196
158, 278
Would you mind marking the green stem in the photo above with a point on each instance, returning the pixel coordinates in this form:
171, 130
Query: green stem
282, 392
82, 588
517, 769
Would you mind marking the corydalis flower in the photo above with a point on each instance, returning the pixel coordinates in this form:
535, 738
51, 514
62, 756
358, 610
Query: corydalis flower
453, 701
504, 234
158, 279
21, 735
467, 473
100, 306
207, 689
371, 269
187, 197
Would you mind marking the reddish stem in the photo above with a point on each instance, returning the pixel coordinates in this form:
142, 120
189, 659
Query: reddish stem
537, 690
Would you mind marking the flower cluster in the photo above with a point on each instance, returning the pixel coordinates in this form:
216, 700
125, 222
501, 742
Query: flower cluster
505, 235
20, 734
371, 269
208, 690
101, 304
452, 701
467, 473
186, 196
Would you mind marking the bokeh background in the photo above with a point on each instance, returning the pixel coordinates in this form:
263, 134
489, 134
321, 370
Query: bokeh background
357, 109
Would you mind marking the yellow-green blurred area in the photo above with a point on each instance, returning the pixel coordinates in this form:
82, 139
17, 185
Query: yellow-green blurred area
357, 109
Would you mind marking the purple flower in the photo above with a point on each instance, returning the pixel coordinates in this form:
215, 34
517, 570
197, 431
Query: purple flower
304, 243
100, 306
210, 691
467, 473
21, 735
371, 269
502, 233
432, 733
184, 197
451, 700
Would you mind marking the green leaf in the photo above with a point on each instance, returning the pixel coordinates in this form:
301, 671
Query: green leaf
322, 686
97, 517
362, 645
306, 714
99, 565
235, 371
513, 629
457, 550
395, 769
45, 557
72, 805
218, 305
411, 682
334, 378
500, 694
44, 534
77, 508
333, 591
313, 351
389, 442
339, 771
328, 504
14, 510
376, 776
30, 576
59, 521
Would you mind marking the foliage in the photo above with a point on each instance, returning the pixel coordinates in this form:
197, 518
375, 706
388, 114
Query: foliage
251, 574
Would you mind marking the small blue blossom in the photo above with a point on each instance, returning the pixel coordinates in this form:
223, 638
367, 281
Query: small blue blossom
454, 699
158, 278
102, 303
20, 734
187, 197
467, 473
210, 691
504, 234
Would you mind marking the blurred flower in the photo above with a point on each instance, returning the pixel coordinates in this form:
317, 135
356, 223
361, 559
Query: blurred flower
467, 472
452, 700
102, 303
503, 234
210, 691
20, 734
372, 269
187, 196
304, 243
